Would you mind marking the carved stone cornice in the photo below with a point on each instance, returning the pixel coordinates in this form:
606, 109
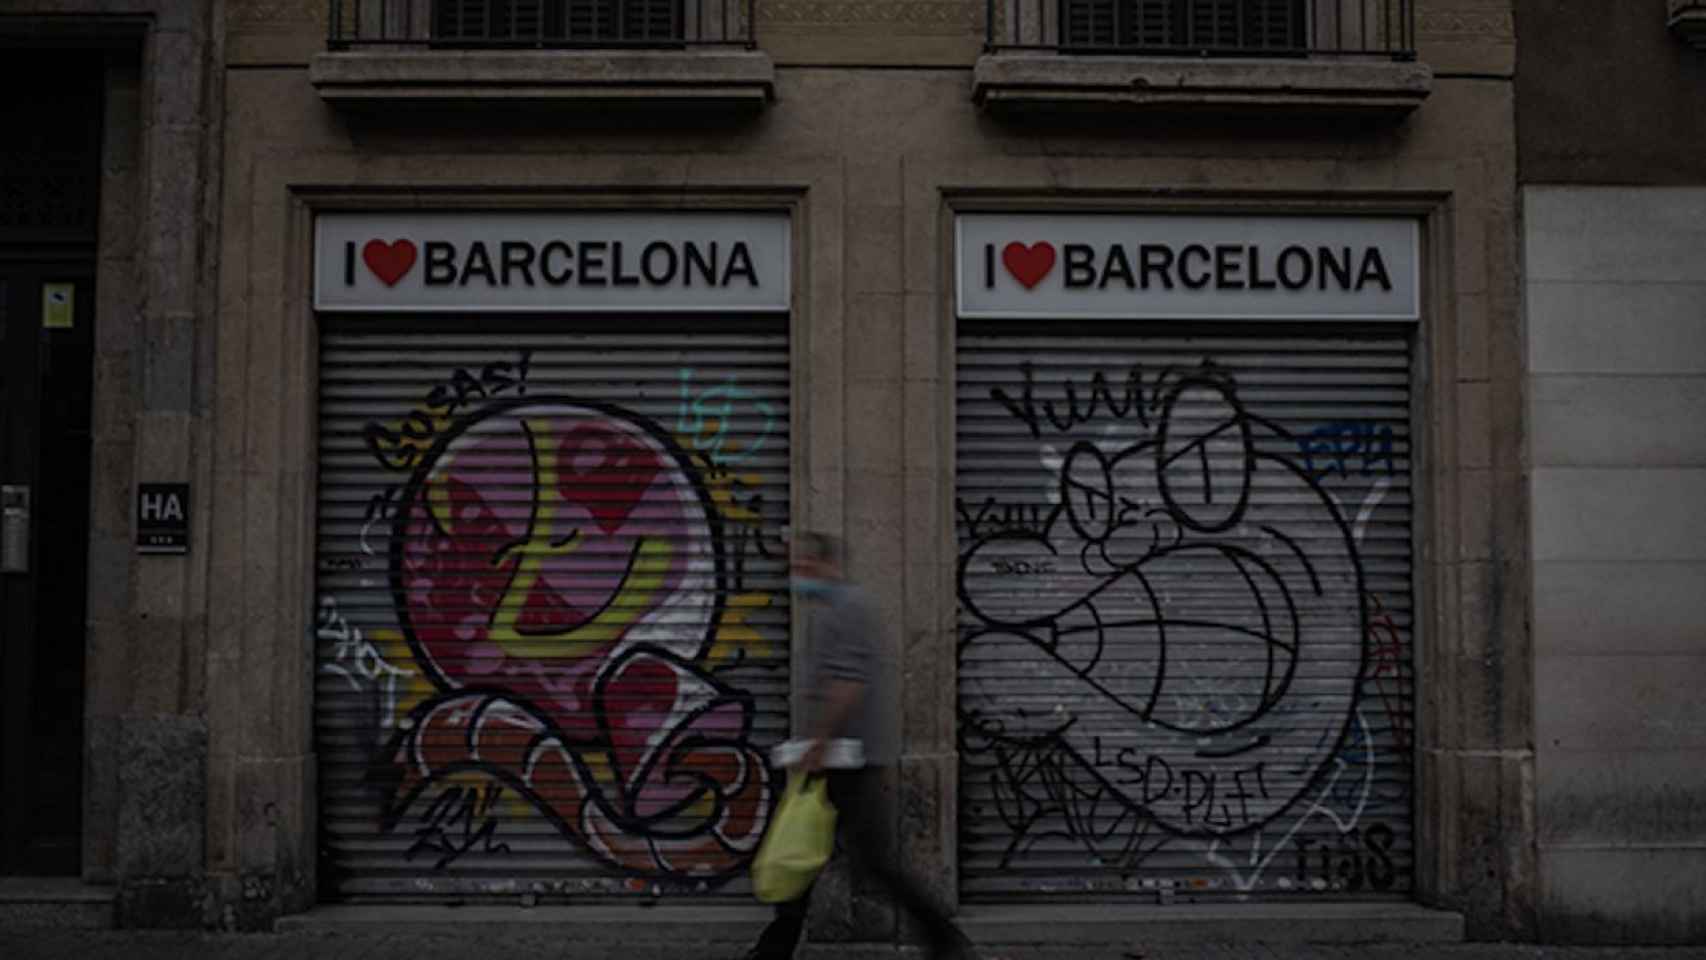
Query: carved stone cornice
692, 80
1030, 82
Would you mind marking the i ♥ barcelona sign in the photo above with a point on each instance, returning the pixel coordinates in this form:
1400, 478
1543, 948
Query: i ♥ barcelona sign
543, 262
1186, 266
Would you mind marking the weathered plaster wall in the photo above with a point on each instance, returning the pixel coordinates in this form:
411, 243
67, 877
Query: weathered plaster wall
1606, 94
1616, 289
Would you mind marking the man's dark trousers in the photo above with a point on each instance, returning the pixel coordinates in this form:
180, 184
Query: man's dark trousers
862, 825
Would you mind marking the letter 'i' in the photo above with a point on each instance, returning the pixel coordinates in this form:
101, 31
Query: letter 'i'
349, 263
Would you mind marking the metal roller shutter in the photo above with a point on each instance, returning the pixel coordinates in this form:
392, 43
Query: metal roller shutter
1185, 611
552, 635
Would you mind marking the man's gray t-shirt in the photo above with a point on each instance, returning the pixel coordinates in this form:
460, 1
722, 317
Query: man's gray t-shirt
845, 645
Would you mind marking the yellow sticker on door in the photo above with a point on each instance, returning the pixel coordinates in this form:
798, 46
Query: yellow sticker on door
57, 301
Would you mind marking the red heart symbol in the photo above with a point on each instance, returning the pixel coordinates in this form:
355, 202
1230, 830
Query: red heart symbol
390, 261
605, 472
1028, 265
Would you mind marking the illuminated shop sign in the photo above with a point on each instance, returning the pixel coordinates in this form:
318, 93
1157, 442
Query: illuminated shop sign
552, 262
1111, 267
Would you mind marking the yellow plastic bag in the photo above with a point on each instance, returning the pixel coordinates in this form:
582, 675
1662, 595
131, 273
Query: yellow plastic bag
799, 842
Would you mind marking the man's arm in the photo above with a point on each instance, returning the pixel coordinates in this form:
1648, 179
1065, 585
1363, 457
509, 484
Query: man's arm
847, 667
840, 698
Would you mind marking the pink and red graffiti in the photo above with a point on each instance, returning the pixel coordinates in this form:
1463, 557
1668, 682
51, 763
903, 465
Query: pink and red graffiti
556, 570
1386, 646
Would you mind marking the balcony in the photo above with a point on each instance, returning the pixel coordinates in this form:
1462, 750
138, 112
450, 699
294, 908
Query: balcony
1339, 59
598, 53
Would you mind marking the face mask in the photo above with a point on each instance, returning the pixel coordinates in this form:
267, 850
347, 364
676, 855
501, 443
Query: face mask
811, 587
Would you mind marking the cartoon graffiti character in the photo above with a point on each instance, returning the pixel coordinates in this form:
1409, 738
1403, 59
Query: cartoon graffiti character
556, 569
1199, 636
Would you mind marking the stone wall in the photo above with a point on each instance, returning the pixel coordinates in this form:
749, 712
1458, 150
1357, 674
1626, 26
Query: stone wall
1616, 292
1612, 167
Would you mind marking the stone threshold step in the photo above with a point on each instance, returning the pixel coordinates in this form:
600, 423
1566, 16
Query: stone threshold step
1106, 923
59, 902
591, 923
1015, 924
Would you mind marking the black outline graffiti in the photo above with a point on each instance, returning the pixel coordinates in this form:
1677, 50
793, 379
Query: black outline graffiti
1028, 787
1130, 404
1364, 855
1108, 536
443, 400
458, 805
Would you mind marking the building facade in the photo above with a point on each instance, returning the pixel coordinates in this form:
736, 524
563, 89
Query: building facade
1613, 182
1162, 364
109, 244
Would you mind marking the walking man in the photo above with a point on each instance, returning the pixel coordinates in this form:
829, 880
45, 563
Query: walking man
847, 704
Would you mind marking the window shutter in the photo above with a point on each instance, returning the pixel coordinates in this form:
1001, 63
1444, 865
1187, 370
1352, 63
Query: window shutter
1212, 23
1247, 24
533, 24
1088, 23
520, 20
493, 20
589, 20
652, 19
1281, 24
459, 19
1156, 23
1183, 24
1272, 25
576, 21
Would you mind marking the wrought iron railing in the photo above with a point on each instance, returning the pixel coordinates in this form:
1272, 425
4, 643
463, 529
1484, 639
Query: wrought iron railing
540, 24
1206, 28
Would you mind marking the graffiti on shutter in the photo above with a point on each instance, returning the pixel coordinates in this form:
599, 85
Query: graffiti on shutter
553, 613
1184, 587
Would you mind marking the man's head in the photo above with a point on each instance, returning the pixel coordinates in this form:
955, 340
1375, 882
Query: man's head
817, 556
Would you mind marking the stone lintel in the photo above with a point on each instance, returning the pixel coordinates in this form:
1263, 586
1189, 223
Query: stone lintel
1688, 21
737, 79
1046, 82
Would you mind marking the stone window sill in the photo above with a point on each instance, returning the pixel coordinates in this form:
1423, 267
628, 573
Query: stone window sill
1051, 83
740, 80
1688, 21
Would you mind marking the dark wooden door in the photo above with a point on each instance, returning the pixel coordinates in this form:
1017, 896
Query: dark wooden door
44, 467
49, 180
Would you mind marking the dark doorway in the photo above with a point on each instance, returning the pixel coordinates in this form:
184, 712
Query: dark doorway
49, 179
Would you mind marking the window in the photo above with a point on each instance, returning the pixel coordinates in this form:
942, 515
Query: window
1173, 55
557, 22
670, 55
1241, 26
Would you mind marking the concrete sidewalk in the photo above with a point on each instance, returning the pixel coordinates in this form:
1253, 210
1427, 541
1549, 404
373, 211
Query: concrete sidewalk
299, 945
